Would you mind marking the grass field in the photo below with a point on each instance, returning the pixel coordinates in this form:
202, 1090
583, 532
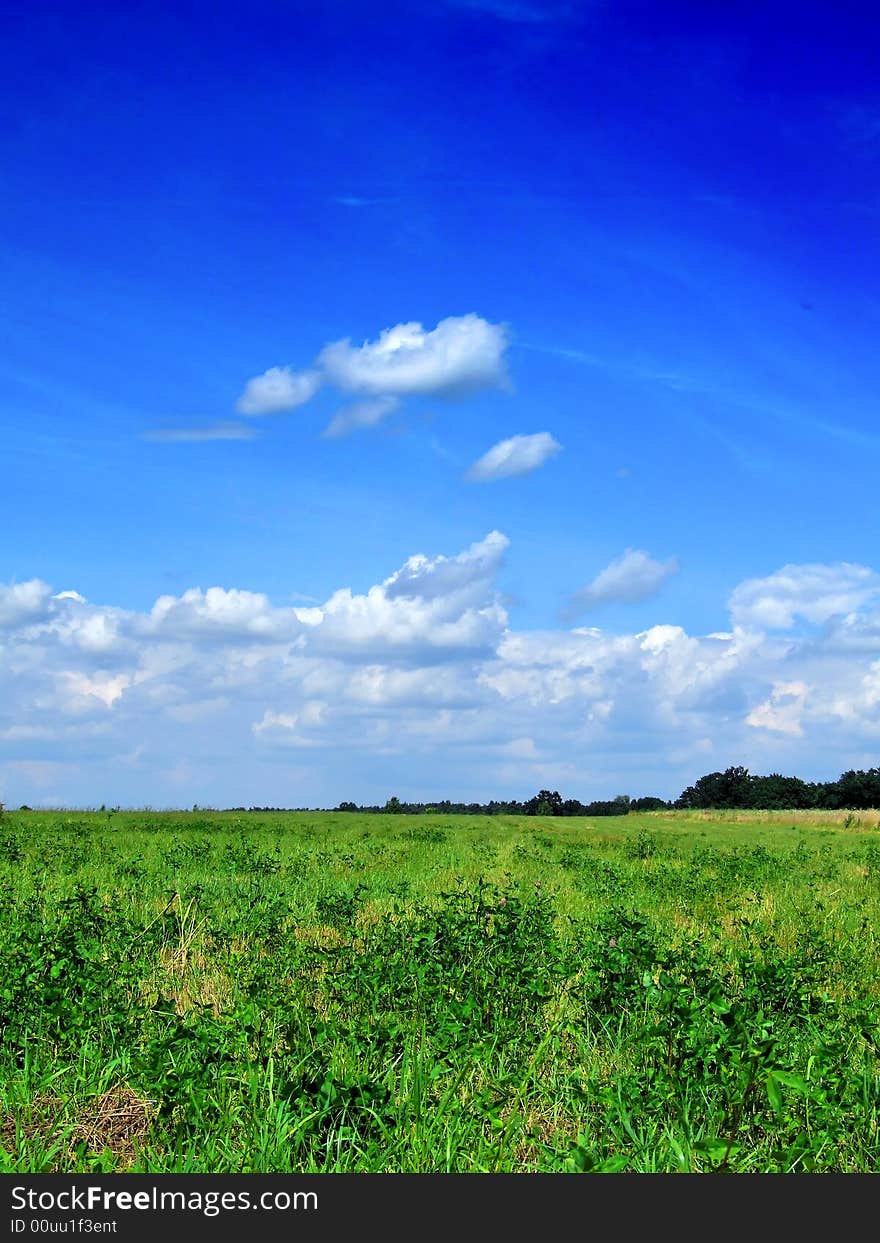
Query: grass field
341, 992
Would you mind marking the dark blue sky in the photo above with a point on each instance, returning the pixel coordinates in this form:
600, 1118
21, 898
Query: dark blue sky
672, 210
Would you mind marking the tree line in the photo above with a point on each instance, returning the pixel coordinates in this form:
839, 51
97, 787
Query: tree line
544, 803
854, 790
734, 789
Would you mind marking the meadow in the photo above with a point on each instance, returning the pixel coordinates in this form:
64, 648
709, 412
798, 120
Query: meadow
316, 991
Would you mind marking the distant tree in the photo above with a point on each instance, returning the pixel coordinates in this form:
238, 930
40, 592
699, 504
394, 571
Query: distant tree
729, 789
733, 788
606, 807
778, 793
545, 803
858, 789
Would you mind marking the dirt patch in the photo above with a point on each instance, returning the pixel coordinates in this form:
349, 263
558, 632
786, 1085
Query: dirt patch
117, 1121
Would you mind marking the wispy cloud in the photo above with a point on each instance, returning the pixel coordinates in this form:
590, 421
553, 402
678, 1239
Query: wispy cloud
691, 381
518, 455
521, 11
632, 577
357, 200
559, 351
227, 430
359, 415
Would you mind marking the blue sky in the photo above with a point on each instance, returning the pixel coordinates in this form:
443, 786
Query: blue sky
605, 280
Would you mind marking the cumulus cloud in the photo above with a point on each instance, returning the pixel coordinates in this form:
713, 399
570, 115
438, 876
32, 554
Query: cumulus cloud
78, 688
397, 628
278, 389
221, 611
464, 354
815, 593
419, 685
427, 578
23, 601
518, 455
430, 609
781, 712
632, 577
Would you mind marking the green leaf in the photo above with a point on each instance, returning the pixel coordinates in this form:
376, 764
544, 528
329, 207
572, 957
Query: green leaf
774, 1096
611, 1165
716, 1149
792, 1081
579, 1160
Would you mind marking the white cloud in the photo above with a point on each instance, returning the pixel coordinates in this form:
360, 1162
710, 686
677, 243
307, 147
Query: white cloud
419, 685
291, 729
429, 578
781, 712
871, 686
23, 601
404, 628
462, 355
516, 456
78, 688
70, 621
360, 414
855, 631
93, 631
814, 592
379, 686
632, 577
224, 430
278, 389
218, 611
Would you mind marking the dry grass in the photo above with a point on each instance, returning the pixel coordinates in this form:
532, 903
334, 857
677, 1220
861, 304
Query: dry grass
118, 1121
851, 820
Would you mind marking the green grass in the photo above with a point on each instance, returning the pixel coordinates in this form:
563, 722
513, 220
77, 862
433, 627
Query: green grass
340, 992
